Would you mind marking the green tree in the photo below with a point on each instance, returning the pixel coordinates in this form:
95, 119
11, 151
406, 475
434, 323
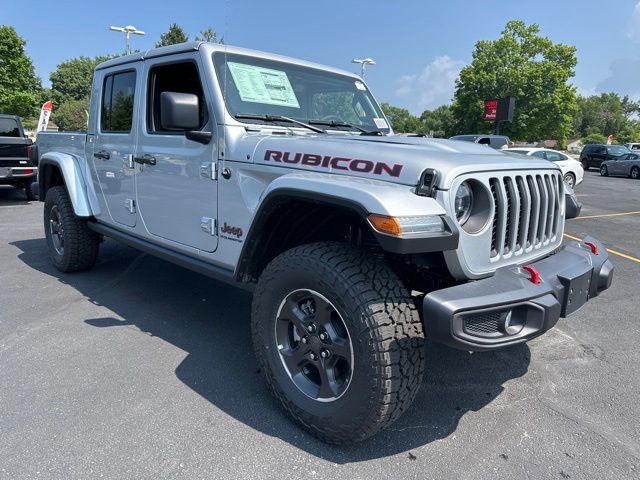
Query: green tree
594, 137
71, 116
528, 66
606, 114
439, 122
208, 35
72, 78
401, 119
19, 85
175, 35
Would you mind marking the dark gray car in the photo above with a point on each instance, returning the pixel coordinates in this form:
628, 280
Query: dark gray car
627, 165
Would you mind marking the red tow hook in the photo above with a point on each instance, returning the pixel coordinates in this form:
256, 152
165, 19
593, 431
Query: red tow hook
534, 275
593, 247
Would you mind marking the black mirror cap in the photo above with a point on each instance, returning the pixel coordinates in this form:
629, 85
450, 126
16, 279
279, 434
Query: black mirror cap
179, 111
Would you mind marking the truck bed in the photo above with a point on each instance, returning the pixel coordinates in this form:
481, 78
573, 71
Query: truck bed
64, 142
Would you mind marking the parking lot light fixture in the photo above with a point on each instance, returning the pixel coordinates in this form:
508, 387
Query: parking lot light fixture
363, 62
128, 31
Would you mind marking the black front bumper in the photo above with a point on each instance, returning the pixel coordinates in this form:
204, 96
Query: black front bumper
508, 308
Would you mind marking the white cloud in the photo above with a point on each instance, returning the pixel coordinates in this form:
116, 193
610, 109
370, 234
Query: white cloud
432, 87
634, 29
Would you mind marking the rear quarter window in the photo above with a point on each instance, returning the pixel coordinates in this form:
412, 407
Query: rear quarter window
9, 127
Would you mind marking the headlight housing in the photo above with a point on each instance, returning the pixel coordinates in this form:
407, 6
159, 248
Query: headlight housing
463, 202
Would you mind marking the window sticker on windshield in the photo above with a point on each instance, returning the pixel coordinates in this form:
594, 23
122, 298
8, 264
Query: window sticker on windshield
360, 85
381, 123
263, 85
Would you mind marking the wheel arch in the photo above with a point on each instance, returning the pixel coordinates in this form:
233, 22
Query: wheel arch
55, 168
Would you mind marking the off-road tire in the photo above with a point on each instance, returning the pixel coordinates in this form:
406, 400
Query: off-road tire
384, 325
604, 171
81, 245
635, 173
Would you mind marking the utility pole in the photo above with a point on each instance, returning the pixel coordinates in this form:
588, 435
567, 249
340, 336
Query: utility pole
128, 30
363, 62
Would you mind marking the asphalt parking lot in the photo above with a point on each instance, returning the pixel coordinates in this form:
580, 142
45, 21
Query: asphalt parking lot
141, 369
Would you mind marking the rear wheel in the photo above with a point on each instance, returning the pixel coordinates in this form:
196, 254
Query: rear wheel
338, 340
603, 171
27, 191
635, 173
72, 246
585, 165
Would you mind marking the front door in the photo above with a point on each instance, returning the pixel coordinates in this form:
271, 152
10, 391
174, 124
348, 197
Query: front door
176, 190
115, 141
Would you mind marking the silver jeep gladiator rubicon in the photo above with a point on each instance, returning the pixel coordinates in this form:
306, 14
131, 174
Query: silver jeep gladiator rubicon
284, 177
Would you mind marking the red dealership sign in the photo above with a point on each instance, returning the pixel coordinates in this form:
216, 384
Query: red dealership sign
490, 110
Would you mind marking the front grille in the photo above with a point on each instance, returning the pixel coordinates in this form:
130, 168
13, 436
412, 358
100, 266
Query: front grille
483, 324
526, 212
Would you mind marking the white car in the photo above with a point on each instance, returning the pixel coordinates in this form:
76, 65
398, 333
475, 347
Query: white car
632, 146
572, 170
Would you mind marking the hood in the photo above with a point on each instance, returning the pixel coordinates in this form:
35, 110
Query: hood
393, 158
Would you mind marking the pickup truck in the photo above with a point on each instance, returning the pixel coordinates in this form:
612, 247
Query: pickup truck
284, 177
16, 167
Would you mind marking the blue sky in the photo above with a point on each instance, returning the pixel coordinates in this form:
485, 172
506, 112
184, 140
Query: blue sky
419, 45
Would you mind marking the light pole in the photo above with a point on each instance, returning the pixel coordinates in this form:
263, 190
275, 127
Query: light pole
128, 30
363, 62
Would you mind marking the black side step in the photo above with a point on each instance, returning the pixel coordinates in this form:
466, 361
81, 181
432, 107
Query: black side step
185, 261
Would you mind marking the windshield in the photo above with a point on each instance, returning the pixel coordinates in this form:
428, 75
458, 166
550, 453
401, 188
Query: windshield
259, 86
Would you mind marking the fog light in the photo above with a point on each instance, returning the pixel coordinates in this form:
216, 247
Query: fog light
511, 325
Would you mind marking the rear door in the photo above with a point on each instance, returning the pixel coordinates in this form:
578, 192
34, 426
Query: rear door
177, 195
115, 141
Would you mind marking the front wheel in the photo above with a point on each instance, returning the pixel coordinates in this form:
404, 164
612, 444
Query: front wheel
72, 246
635, 173
603, 171
338, 339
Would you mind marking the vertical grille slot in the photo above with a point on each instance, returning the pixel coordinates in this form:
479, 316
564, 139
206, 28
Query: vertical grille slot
525, 205
512, 215
534, 212
544, 208
497, 215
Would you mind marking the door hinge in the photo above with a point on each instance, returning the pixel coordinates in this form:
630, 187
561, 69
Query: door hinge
130, 205
209, 225
209, 170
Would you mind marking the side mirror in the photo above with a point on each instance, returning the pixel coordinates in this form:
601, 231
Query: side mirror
179, 111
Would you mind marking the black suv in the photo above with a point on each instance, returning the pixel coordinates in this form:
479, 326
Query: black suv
16, 165
593, 155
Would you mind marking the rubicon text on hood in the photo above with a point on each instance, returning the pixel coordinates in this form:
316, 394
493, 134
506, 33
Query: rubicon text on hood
335, 163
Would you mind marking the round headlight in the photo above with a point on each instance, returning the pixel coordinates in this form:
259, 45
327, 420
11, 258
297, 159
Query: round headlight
463, 203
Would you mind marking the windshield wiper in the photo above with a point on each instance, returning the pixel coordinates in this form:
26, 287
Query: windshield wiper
333, 123
278, 118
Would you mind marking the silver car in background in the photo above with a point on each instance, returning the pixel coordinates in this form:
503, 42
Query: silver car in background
627, 165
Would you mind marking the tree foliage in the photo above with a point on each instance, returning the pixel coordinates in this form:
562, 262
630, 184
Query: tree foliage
19, 85
72, 78
439, 123
174, 35
208, 35
607, 114
401, 119
71, 116
528, 66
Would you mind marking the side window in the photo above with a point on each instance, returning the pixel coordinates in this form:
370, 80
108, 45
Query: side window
498, 142
485, 141
635, 147
180, 77
540, 154
117, 102
599, 150
555, 157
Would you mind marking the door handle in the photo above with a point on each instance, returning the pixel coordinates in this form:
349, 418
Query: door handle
103, 154
145, 159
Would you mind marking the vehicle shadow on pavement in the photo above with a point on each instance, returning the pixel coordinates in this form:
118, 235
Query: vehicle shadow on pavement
11, 196
210, 321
